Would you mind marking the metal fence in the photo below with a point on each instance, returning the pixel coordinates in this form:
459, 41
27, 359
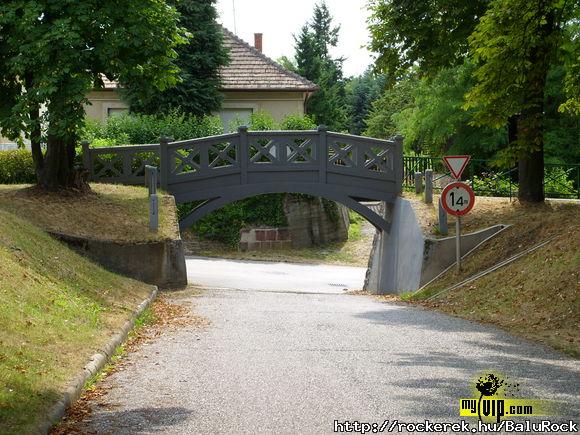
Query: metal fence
560, 180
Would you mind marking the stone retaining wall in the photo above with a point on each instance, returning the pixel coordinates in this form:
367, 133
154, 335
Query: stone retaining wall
160, 263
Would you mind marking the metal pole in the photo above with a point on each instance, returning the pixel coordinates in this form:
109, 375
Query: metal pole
458, 242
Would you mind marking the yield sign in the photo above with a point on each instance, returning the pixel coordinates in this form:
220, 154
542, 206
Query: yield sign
456, 164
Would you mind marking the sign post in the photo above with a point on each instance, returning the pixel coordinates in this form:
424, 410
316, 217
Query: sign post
457, 198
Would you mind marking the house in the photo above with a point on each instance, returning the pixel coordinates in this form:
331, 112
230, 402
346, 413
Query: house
250, 82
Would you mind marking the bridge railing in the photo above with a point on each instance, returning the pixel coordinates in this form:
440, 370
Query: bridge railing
248, 153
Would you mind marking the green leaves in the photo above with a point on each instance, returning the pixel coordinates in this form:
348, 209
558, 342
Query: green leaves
193, 87
314, 62
52, 53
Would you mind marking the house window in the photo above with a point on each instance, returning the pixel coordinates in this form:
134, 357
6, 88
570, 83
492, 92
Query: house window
232, 118
116, 111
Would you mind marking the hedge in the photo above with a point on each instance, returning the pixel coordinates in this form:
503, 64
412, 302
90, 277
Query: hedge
16, 167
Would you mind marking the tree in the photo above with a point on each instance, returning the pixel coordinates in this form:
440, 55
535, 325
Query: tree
427, 34
197, 91
514, 45
361, 92
313, 61
54, 52
436, 123
381, 119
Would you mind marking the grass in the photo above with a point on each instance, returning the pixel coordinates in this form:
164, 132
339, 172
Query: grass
537, 296
109, 212
354, 252
57, 308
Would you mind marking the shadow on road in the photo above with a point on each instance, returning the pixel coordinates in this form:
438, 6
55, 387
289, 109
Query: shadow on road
139, 420
538, 369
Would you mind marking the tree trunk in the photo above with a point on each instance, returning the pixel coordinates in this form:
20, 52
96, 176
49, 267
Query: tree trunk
35, 139
58, 171
531, 176
530, 124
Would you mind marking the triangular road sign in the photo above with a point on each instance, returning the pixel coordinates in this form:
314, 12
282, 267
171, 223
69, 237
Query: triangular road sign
456, 164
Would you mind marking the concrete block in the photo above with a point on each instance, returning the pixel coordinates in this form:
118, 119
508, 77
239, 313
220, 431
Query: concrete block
246, 236
283, 234
164, 260
254, 246
397, 256
418, 182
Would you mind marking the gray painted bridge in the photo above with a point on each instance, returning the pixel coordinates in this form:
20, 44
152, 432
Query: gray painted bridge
218, 170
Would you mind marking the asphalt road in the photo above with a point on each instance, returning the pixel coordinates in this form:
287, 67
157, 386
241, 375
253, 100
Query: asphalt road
288, 352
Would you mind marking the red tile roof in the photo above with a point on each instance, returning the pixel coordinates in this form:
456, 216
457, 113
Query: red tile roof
250, 70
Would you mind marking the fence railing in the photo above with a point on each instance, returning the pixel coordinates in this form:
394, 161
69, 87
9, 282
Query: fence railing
313, 155
560, 180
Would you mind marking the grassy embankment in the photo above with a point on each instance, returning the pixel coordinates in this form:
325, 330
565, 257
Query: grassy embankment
58, 308
354, 252
537, 296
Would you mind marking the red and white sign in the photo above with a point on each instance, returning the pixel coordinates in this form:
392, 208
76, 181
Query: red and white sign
456, 164
457, 198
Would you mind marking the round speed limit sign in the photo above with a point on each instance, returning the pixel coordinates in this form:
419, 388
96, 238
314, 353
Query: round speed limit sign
457, 198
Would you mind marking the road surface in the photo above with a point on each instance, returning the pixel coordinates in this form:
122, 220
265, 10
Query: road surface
288, 351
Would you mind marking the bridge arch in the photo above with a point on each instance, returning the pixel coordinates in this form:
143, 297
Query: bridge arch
227, 196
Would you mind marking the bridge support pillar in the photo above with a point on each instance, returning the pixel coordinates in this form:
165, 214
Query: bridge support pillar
397, 256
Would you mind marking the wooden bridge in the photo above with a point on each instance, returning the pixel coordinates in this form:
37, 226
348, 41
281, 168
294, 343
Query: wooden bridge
221, 169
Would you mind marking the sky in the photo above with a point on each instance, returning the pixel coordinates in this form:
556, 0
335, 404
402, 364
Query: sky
278, 20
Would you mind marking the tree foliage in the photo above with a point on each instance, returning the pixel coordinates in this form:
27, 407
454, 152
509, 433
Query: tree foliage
313, 61
197, 91
436, 122
53, 53
428, 34
513, 45
381, 119
361, 92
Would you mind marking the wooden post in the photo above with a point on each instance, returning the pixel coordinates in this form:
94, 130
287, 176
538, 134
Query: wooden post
164, 163
322, 153
244, 153
428, 186
398, 161
153, 212
87, 157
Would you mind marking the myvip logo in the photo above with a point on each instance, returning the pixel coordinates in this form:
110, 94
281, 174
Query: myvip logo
495, 398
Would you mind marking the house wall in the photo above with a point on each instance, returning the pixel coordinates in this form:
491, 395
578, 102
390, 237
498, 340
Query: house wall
278, 104
101, 102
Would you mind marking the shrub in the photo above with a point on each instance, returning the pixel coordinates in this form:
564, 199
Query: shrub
224, 225
140, 129
16, 167
298, 122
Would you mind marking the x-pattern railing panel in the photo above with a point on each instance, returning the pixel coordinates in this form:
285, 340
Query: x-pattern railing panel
222, 155
301, 151
264, 151
186, 160
360, 158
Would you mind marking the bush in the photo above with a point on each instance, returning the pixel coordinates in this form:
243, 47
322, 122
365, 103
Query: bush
141, 129
16, 167
297, 122
224, 225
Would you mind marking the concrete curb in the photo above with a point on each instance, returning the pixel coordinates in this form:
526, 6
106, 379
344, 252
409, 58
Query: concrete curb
95, 364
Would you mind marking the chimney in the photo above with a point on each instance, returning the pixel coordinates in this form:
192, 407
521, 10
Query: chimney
258, 41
